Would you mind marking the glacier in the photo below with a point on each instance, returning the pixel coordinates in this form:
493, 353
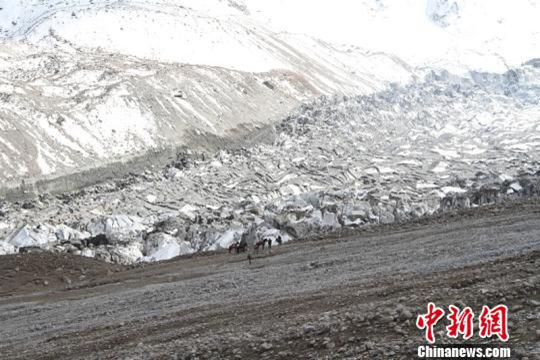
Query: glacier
141, 130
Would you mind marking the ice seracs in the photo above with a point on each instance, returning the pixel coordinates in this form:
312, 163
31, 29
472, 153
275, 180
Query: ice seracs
282, 130
168, 249
117, 228
107, 81
27, 237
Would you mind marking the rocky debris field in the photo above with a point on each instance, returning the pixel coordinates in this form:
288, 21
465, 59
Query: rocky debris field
354, 297
442, 143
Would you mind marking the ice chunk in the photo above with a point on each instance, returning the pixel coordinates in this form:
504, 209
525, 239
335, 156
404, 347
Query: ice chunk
225, 240
453, 189
126, 254
65, 233
25, 236
6, 248
117, 227
516, 187
170, 250
88, 253
441, 167
189, 211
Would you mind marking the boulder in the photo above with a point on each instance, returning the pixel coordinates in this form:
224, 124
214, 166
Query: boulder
330, 221
101, 253
357, 214
225, 240
313, 199
165, 252
65, 233
161, 246
126, 255
486, 196
156, 240
95, 241
189, 212
169, 250
171, 225
173, 173
387, 218
295, 205
117, 228
299, 229
88, 253
455, 202
26, 237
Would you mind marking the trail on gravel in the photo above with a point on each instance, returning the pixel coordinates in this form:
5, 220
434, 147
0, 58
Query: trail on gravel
345, 297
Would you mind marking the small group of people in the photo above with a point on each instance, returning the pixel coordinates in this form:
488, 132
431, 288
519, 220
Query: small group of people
238, 247
262, 243
241, 246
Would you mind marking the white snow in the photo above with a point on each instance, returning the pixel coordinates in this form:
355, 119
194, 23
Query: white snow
334, 47
452, 189
151, 199
479, 34
169, 250
447, 153
65, 233
88, 253
516, 187
7, 248
25, 236
127, 254
87, 82
117, 227
225, 240
189, 211
422, 185
441, 167
458, 34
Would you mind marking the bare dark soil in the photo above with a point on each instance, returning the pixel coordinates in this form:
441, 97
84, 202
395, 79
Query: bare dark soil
45, 271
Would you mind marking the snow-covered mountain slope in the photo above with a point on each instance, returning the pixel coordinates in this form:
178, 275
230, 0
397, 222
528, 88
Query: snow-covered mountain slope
211, 32
488, 35
62, 110
468, 34
85, 83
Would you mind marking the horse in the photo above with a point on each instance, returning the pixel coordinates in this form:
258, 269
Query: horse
238, 247
260, 243
242, 247
234, 247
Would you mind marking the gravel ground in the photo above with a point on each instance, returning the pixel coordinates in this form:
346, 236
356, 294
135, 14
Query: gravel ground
346, 297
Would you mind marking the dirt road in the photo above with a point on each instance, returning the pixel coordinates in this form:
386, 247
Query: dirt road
352, 297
